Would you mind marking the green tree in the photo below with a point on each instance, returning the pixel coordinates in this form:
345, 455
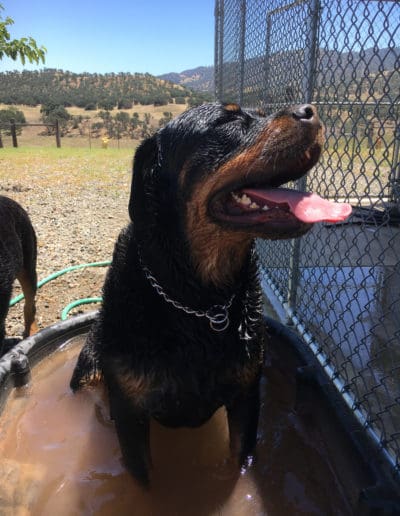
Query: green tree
6, 115
24, 48
167, 117
125, 103
12, 113
52, 112
90, 106
121, 123
180, 100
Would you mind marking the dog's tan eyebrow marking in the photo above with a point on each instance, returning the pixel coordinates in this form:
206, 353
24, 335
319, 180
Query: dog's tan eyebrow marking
233, 108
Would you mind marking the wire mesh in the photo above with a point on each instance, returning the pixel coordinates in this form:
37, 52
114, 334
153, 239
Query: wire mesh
339, 284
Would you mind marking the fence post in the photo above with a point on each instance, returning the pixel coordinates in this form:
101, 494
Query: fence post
13, 130
1, 141
216, 49
58, 140
394, 180
242, 43
266, 95
219, 50
308, 88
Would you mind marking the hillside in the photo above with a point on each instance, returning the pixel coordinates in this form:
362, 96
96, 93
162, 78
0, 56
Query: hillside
336, 66
91, 91
199, 79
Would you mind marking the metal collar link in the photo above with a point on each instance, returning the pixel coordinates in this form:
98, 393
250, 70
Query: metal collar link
217, 315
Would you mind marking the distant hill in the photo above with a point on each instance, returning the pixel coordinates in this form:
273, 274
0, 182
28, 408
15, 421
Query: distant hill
92, 90
200, 78
336, 66
194, 86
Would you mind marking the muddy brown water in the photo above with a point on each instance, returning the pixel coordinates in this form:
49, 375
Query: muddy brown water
60, 456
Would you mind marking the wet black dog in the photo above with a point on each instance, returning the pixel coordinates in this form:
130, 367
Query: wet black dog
17, 261
180, 332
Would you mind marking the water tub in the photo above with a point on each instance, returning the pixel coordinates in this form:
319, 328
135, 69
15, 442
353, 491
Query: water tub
60, 454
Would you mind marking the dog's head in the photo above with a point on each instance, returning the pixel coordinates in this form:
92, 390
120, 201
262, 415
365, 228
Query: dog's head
212, 179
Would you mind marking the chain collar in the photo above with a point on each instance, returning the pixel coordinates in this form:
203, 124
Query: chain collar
217, 315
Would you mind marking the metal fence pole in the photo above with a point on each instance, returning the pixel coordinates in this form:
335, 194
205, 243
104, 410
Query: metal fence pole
217, 72
266, 60
219, 50
308, 89
242, 44
395, 179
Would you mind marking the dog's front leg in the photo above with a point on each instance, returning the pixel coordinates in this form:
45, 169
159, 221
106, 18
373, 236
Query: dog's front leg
87, 369
133, 430
243, 415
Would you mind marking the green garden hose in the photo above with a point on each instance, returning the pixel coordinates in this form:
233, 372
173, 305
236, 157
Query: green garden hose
78, 302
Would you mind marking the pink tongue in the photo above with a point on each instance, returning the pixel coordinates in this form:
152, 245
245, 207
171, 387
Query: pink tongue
307, 207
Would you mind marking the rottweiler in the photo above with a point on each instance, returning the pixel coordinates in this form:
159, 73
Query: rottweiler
180, 332
18, 252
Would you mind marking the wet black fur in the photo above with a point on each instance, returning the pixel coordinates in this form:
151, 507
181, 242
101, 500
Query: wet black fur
17, 252
192, 369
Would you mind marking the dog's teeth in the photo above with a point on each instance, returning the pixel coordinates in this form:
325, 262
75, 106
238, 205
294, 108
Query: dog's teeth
307, 154
265, 208
245, 201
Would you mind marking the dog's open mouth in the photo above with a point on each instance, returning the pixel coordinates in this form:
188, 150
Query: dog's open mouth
263, 205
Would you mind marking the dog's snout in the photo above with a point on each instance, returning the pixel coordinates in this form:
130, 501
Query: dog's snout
305, 113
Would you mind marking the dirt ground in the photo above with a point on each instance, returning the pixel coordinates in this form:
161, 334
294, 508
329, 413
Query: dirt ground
77, 206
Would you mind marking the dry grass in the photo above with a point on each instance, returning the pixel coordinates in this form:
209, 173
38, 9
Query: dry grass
47, 166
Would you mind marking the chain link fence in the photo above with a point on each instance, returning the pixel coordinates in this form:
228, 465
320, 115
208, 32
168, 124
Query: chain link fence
340, 284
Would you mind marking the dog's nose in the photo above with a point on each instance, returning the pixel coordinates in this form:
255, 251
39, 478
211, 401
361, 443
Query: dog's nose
306, 113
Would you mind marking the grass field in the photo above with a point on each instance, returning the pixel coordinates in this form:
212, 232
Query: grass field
80, 160
73, 166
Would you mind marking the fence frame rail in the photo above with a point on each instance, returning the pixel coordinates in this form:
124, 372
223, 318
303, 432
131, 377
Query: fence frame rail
13, 126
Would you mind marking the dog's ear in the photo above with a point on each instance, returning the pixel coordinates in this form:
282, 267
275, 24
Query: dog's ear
144, 164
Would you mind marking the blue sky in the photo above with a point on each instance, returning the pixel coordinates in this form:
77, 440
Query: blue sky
101, 36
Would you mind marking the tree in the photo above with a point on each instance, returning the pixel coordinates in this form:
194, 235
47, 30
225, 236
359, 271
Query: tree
52, 112
167, 117
107, 103
24, 48
125, 103
91, 106
11, 113
6, 115
180, 100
